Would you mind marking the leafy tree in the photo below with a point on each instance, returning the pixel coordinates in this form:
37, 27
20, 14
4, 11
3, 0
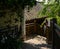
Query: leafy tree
52, 10
11, 6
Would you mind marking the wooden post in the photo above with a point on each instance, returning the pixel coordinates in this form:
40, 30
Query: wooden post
35, 27
53, 33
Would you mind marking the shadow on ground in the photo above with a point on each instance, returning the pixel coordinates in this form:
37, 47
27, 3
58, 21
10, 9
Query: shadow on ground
29, 46
32, 46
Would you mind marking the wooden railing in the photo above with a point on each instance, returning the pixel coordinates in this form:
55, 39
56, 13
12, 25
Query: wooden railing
9, 37
56, 36
9, 31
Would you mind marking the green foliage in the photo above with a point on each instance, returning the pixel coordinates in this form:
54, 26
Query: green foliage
11, 6
13, 13
58, 20
10, 10
8, 4
51, 10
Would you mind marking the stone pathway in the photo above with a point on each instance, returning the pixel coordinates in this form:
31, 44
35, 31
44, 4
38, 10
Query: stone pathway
37, 42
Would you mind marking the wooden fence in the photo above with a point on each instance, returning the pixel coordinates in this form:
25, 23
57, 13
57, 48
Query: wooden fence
33, 26
33, 29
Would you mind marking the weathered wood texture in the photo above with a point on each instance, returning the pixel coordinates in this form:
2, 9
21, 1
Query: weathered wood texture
33, 26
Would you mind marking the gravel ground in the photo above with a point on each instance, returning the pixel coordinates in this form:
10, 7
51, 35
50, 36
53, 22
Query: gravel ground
38, 42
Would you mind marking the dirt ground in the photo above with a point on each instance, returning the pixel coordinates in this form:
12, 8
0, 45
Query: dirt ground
38, 42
